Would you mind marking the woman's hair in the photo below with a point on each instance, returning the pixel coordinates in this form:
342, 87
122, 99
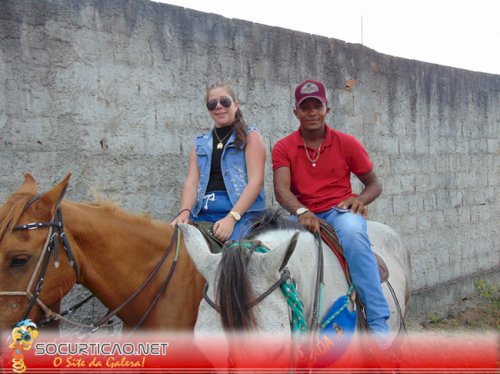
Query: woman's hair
240, 126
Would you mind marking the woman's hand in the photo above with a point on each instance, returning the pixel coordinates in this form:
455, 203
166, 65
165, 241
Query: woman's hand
224, 228
182, 217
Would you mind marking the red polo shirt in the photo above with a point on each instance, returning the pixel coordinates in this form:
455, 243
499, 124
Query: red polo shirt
321, 187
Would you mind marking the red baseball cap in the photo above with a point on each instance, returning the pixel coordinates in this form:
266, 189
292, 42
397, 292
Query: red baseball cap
310, 88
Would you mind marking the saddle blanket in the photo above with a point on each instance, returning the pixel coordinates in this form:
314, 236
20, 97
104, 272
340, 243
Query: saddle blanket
336, 332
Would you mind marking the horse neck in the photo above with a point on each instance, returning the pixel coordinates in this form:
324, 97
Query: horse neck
114, 250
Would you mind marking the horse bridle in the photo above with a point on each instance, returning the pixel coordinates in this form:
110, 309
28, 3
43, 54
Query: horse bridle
254, 246
285, 276
56, 230
51, 246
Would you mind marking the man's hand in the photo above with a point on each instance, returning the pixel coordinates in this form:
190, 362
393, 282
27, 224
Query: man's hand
309, 221
354, 205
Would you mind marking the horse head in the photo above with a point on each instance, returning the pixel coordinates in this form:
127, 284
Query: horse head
320, 299
243, 318
127, 261
22, 242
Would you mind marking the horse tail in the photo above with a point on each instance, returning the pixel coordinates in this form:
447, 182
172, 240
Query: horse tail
234, 294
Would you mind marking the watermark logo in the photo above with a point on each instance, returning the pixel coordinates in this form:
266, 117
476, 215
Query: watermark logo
23, 335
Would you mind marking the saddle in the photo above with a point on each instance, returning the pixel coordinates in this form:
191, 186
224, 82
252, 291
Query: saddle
329, 236
206, 228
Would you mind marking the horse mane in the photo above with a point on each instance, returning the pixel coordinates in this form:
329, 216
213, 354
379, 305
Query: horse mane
114, 207
11, 212
116, 210
234, 293
272, 219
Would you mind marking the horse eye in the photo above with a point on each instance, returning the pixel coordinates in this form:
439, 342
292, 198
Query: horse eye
19, 261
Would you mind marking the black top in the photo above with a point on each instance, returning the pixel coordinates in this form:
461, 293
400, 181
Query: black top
216, 181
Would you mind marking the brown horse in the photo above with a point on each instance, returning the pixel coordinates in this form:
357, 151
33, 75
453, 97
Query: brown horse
115, 254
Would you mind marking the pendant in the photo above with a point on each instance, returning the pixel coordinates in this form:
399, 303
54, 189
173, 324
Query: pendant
314, 164
220, 145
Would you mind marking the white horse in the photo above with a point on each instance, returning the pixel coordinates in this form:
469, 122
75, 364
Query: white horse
242, 292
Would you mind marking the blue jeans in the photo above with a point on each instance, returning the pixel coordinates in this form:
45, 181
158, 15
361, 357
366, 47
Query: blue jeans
216, 205
352, 232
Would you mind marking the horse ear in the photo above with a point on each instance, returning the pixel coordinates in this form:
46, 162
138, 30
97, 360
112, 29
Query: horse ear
205, 261
29, 185
290, 249
50, 201
278, 257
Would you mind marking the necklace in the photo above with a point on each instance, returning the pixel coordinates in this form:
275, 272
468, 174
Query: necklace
313, 161
220, 145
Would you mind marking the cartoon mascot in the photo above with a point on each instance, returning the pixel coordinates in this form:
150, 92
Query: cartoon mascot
23, 335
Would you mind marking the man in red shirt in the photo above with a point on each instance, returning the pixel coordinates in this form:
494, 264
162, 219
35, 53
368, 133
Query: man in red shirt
312, 169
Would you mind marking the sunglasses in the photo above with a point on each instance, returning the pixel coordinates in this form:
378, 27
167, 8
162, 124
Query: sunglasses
224, 101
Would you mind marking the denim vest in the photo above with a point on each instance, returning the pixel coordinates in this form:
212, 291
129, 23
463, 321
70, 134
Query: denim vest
234, 171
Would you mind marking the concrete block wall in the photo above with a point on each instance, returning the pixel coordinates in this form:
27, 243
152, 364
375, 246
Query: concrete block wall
113, 91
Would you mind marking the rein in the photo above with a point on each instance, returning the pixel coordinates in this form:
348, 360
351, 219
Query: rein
285, 276
318, 289
175, 240
253, 246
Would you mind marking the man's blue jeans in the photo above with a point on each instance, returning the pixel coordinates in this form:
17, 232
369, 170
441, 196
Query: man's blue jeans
352, 232
216, 206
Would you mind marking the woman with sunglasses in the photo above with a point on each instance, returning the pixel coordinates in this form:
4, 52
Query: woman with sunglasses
225, 180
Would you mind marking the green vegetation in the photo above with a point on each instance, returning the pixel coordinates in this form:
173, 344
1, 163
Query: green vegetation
491, 296
480, 312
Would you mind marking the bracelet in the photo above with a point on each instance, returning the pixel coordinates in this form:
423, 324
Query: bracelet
183, 210
236, 216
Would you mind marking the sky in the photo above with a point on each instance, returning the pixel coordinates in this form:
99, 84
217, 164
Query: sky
458, 33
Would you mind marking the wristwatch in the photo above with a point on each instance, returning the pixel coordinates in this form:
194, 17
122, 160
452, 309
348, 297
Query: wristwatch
300, 211
235, 215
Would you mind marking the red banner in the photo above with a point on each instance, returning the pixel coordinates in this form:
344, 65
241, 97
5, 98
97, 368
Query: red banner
166, 352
